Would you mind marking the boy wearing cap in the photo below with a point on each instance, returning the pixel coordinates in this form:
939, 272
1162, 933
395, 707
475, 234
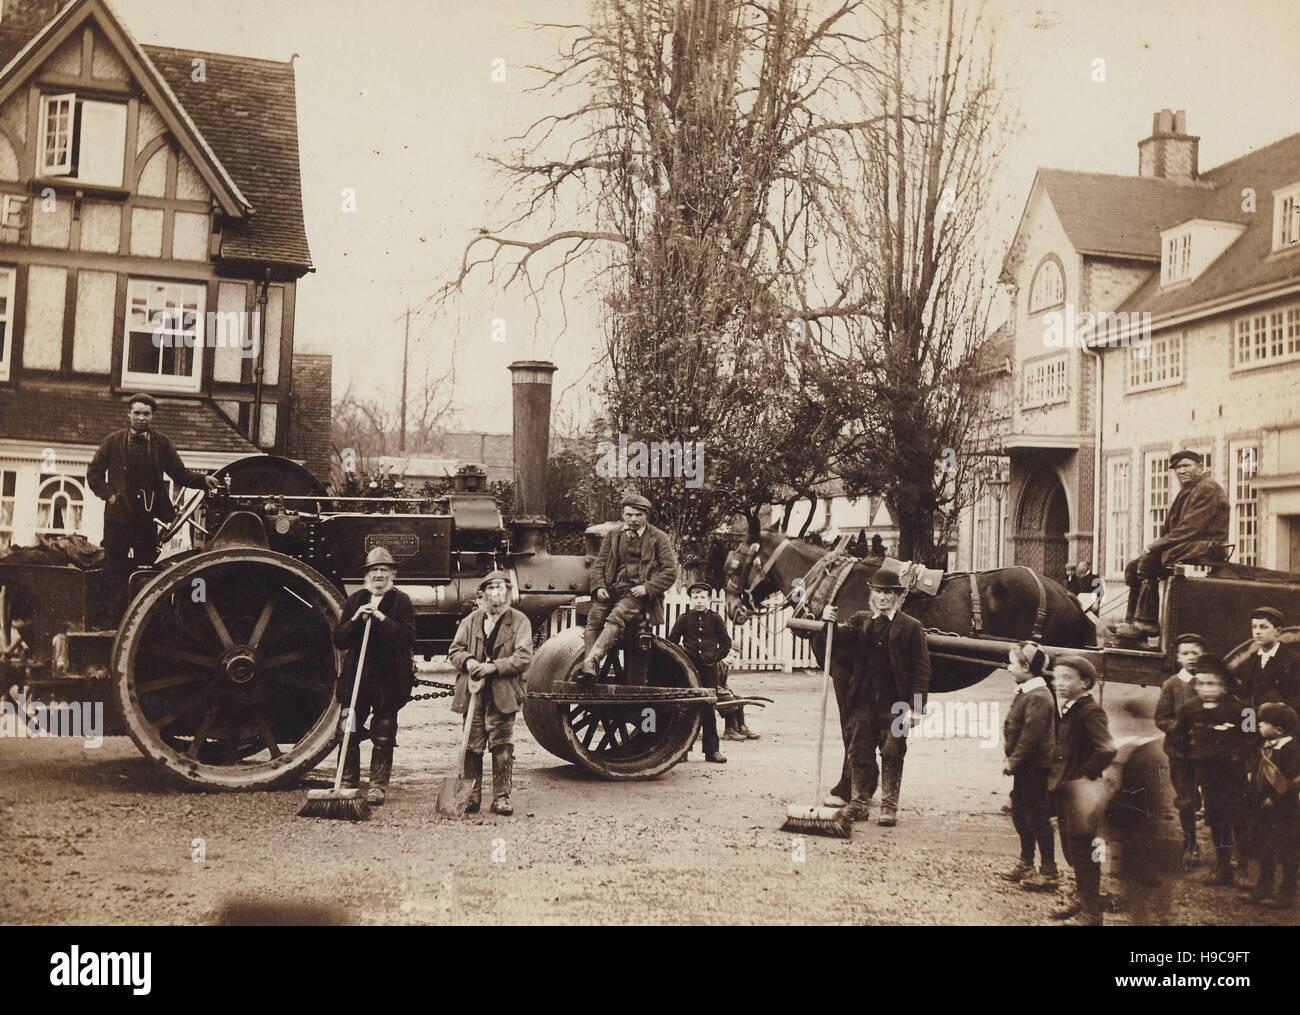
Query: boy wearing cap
1176, 693
636, 565
492, 649
1273, 815
388, 671
1272, 671
884, 696
1219, 747
703, 636
1028, 735
1082, 751
1196, 525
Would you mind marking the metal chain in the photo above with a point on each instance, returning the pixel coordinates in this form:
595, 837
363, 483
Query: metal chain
449, 690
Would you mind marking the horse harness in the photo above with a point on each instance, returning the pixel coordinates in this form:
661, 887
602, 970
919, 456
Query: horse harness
977, 613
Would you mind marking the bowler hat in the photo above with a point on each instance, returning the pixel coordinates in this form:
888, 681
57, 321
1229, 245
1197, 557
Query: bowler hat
1268, 613
698, 585
1190, 456
1279, 714
888, 577
1080, 666
379, 557
634, 499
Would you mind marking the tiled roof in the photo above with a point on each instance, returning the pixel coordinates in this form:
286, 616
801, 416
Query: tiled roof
1249, 263
1119, 215
47, 414
247, 112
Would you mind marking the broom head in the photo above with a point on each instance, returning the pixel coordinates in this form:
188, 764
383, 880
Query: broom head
339, 805
829, 821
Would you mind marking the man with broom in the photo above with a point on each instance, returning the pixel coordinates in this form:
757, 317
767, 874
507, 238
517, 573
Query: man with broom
889, 679
492, 649
387, 672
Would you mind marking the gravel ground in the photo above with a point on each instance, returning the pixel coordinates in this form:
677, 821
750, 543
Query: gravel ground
98, 837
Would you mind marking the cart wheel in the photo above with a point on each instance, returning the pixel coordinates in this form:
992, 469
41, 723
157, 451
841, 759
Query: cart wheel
224, 669
614, 741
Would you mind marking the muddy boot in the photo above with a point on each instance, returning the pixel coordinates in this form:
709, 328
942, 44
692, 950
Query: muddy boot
859, 807
352, 765
503, 761
1222, 873
1047, 879
609, 636
891, 779
1021, 870
381, 767
1143, 624
474, 770
1191, 851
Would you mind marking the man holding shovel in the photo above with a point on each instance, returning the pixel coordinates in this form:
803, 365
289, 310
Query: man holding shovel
491, 651
387, 674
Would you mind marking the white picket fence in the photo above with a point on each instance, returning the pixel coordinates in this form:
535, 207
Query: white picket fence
761, 643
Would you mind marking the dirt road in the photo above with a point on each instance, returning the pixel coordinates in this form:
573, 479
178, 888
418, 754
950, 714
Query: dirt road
98, 837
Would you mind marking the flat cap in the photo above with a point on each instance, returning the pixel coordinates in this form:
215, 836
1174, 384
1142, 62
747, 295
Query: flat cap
1188, 456
1192, 638
495, 576
1269, 613
141, 396
1080, 666
698, 585
1279, 714
634, 499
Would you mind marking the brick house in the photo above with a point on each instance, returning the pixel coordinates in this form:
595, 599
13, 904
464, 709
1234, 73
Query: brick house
151, 238
1149, 313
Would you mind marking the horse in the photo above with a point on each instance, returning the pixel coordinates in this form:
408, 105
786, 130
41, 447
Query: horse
1014, 603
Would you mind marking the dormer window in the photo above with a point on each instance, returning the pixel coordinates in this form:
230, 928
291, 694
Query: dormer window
1048, 288
1286, 217
1177, 263
83, 139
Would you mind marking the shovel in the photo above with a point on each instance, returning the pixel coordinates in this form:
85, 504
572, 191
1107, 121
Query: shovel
453, 796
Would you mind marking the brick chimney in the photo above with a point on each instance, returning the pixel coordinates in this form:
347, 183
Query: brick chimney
311, 414
1170, 152
27, 15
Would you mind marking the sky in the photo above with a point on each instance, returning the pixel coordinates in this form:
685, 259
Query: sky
397, 103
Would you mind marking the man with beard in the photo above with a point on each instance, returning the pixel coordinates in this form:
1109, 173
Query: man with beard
388, 674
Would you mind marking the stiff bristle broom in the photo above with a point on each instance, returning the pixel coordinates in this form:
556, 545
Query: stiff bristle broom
339, 803
818, 820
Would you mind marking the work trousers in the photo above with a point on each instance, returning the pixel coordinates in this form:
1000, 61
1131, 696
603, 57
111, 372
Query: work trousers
489, 727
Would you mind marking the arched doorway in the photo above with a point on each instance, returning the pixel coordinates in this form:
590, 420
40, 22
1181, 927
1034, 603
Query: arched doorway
1042, 520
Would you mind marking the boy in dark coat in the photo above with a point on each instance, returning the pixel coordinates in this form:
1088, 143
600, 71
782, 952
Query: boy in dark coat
492, 649
1272, 671
703, 636
1028, 735
388, 673
1219, 747
1273, 806
1083, 750
1176, 693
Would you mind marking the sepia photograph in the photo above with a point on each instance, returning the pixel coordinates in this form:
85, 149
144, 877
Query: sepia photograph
660, 463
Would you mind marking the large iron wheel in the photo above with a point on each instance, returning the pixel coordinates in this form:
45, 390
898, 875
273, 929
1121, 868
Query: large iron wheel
224, 668
614, 741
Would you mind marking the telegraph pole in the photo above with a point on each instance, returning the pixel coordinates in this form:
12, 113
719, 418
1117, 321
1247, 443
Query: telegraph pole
406, 345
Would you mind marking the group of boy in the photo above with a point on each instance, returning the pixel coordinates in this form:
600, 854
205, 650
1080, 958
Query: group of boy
1232, 749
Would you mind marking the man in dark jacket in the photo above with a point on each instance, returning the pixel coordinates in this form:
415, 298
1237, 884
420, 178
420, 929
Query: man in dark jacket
885, 695
1272, 671
492, 649
388, 674
703, 636
636, 565
127, 472
1196, 525
1083, 750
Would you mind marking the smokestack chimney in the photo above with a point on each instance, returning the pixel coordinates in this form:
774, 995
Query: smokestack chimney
531, 380
1170, 152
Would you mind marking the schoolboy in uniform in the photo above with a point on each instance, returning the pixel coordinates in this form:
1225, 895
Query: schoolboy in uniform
1176, 693
703, 636
1028, 736
1274, 806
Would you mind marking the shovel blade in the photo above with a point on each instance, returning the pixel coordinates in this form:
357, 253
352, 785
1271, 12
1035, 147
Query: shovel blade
453, 796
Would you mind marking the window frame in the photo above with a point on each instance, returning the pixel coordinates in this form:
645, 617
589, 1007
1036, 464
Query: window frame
1119, 506
79, 482
1148, 357
7, 322
1039, 391
160, 381
1266, 337
1286, 221
1243, 511
70, 165
1038, 303
11, 500
1156, 484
